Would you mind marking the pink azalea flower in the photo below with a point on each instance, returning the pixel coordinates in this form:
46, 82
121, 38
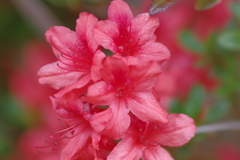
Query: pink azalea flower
83, 126
128, 37
127, 88
144, 139
75, 52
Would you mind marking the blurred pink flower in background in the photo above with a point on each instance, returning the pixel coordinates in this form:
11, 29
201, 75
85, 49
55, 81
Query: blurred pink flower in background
24, 81
34, 98
36, 144
181, 66
227, 151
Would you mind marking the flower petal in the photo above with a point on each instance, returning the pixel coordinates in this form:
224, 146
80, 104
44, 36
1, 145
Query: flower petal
78, 85
105, 32
127, 149
98, 121
95, 140
97, 65
68, 106
145, 25
56, 77
176, 132
119, 122
114, 70
99, 94
145, 75
119, 12
146, 108
156, 153
129, 60
76, 144
84, 30
61, 38
154, 51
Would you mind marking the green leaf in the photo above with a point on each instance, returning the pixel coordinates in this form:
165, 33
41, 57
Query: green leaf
103, 107
230, 40
217, 111
158, 6
195, 101
107, 52
175, 107
191, 41
10, 111
6, 141
206, 4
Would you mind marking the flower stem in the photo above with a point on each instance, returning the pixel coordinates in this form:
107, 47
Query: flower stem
224, 126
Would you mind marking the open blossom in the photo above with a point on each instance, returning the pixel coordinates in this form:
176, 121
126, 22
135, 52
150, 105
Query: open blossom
75, 52
103, 99
128, 37
144, 139
127, 88
83, 125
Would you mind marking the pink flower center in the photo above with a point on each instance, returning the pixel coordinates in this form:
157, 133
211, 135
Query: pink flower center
146, 136
127, 42
122, 91
79, 59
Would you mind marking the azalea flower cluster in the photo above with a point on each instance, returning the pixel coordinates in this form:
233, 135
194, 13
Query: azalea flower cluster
109, 103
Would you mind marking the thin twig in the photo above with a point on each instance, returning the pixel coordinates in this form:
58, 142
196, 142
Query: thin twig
37, 13
224, 126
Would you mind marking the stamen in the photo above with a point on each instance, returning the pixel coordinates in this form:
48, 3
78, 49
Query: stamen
79, 60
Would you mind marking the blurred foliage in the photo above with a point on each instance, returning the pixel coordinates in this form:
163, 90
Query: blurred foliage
13, 30
206, 4
158, 6
192, 42
220, 50
229, 40
12, 123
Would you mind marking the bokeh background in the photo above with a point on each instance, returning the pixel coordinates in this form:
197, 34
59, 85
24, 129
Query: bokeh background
202, 78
